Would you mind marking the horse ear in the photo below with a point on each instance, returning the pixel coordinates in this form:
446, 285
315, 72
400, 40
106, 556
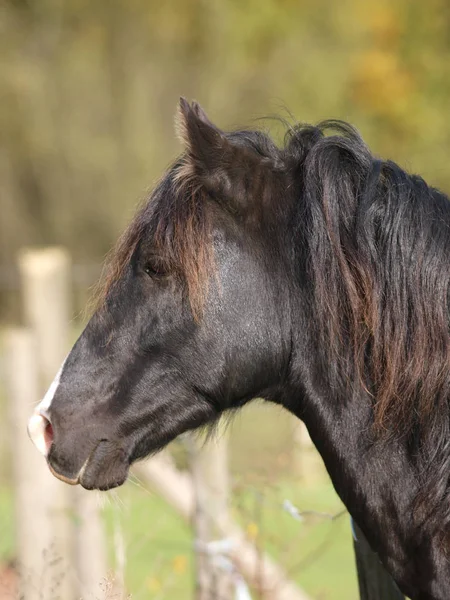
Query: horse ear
225, 169
197, 133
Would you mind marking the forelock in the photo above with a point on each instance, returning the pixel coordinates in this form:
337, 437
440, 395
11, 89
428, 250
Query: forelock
174, 221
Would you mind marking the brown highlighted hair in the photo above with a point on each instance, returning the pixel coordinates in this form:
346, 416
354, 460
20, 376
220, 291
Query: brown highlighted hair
174, 221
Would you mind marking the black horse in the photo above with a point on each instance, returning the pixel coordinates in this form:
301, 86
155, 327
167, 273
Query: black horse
313, 275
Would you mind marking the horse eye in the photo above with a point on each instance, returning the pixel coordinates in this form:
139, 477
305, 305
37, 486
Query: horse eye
154, 269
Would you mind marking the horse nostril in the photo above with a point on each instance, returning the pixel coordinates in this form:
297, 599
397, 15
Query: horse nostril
48, 434
40, 431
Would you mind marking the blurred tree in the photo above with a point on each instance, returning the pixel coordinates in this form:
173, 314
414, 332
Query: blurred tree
88, 92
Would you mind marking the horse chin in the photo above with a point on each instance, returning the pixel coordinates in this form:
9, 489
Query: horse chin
106, 467
103, 483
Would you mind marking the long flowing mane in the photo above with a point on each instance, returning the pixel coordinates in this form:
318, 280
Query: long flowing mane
379, 257
378, 243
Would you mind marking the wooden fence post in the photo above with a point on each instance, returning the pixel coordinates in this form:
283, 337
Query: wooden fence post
209, 471
90, 547
45, 277
41, 509
259, 570
45, 281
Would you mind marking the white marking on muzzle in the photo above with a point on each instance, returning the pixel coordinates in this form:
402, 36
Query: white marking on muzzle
39, 421
46, 401
36, 430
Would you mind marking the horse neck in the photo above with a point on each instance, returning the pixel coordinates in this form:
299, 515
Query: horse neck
370, 479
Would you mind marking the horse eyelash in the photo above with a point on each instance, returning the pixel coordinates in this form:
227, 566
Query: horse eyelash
151, 271
155, 267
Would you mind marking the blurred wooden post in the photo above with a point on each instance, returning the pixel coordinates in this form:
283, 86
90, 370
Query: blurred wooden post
209, 471
45, 276
45, 281
41, 507
90, 547
259, 570
45, 300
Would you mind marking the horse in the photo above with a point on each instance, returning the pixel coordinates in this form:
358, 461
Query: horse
310, 274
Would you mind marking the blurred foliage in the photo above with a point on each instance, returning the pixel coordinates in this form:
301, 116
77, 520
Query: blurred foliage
88, 92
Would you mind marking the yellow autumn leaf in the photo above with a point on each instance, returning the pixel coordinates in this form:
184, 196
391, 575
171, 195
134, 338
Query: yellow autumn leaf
380, 83
386, 25
179, 564
154, 584
252, 530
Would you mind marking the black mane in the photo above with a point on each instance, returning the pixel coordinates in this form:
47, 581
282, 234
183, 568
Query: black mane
378, 245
